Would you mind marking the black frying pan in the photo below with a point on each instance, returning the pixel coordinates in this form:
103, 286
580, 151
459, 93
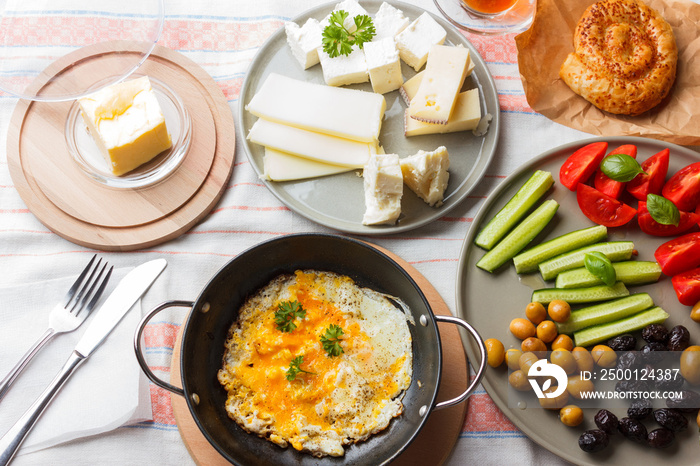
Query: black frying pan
216, 309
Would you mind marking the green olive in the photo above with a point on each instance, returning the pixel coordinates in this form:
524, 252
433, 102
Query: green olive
604, 356
583, 358
557, 402
571, 415
518, 380
564, 359
577, 386
690, 364
513, 358
526, 361
496, 352
559, 310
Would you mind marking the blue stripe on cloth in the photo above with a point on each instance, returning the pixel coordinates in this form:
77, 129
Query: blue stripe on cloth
151, 425
493, 434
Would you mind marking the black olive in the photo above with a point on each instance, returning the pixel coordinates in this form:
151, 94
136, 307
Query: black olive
633, 429
673, 383
688, 402
671, 419
639, 409
629, 360
630, 385
623, 343
606, 421
660, 438
653, 352
678, 338
655, 333
594, 440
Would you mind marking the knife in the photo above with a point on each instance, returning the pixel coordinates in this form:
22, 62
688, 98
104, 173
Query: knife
124, 296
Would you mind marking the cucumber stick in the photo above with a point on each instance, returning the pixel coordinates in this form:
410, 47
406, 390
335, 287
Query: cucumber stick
519, 237
603, 332
580, 295
516, 208
627, 272
605, 312
615, 250
527, 261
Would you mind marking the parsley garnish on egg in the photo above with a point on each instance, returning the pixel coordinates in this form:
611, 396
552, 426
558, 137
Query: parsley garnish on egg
331, 340
337, 40
285, 314
294, 368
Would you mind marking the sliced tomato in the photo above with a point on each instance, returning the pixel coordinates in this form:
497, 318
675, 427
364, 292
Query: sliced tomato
656, 168
601, 208
687, 286
683, 188
604, 183
581, 164
651, 227
679, 255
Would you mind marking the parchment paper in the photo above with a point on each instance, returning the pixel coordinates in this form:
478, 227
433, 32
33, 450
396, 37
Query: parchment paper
543, 48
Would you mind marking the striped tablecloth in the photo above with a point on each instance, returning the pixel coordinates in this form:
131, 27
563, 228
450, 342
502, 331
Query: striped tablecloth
223, 37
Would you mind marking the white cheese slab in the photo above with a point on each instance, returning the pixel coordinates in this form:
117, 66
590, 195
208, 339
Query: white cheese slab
280, 166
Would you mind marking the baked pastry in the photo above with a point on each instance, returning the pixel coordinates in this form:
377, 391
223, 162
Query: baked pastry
624, 58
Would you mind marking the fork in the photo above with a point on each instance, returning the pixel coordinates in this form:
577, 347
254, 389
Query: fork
67, 315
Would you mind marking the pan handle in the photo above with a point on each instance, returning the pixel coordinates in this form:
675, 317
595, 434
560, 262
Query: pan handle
137, 345
482, 367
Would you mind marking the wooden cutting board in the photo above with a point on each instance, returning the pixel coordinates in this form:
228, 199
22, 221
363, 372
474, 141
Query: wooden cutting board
435, 441
88, 213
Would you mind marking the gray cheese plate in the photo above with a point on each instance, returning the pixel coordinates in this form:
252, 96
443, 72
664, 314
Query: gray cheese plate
338, 201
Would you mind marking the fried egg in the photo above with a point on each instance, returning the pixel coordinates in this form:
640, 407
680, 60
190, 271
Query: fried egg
332, 401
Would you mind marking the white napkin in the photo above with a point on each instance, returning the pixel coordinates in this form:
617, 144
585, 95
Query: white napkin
105, 392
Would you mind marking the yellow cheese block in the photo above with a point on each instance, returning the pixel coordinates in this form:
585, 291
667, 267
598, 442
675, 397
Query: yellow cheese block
409, 89
280, 166
442, 81
127, 124
465, 116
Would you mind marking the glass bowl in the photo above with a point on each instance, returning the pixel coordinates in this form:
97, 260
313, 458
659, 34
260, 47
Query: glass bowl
89, 159
516, 17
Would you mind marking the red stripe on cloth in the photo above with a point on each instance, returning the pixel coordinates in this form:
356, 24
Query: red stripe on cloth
161, 335
161, 406
500, 49
210, 35
231, 88
514, 103
483, 415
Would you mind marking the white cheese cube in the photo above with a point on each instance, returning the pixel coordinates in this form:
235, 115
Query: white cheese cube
444, 76
344, 69
389, 22
465, 116
426, 174
384, 65
304, 41
280, 166
127, 124
353, 8
383, 185
415, 41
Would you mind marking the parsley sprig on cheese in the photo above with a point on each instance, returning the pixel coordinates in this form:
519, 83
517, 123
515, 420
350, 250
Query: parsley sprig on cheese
285, 314
295, 369
331, 340
337, 40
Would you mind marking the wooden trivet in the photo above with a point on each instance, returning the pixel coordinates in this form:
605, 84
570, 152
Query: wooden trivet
435, 441
90, 214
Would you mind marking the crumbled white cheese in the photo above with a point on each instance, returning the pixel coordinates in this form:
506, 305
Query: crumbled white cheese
383, 185
426, 174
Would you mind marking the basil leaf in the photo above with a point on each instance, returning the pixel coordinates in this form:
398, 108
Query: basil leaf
599, 265
621, 167
662, 210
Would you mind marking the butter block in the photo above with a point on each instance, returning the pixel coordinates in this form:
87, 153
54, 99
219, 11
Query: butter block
280, 166
127, 124
444, 75
344, 69
389, 22
383, 184
426, 174
347, 113
384, 65
311, 145
304, 41
465, 116
415, 41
